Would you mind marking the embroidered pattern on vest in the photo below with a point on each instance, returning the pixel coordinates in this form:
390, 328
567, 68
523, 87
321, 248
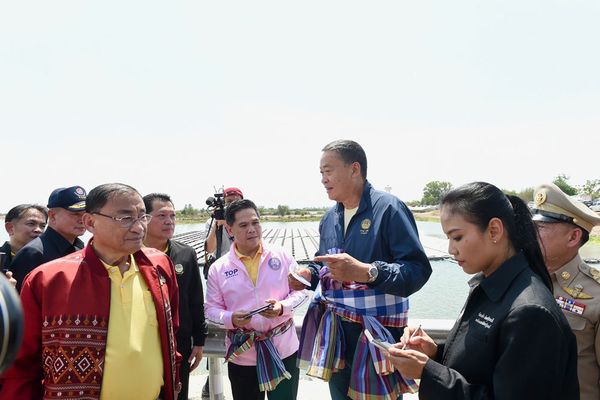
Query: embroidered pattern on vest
73, 351
169, 322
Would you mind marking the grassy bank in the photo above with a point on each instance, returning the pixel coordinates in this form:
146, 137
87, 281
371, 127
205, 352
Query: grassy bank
429, 216
595, 239
291, 218
434, 216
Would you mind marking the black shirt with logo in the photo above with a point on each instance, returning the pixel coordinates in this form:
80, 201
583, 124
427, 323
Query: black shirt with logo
511, 341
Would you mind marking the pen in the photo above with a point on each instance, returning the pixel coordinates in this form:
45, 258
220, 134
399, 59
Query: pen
411, 336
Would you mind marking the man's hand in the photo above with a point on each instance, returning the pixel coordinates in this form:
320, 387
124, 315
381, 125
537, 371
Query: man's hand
276, 311
218, 222
344, 267
195, 357
295, 284
238, 319
9, 276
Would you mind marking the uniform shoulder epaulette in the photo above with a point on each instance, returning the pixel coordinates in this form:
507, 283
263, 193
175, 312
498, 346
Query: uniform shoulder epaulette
592, 272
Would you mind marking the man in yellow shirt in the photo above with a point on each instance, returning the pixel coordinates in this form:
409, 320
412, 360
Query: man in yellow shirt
100, 322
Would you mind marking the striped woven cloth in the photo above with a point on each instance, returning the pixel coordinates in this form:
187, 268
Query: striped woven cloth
269, 366
322, 347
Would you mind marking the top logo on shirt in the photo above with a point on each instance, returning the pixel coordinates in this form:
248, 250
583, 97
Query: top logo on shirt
231, 273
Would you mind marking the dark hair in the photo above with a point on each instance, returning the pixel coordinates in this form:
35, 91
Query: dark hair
236, 206
99, 196
149, 199
585, 236
479, 202
350, 152
17, 212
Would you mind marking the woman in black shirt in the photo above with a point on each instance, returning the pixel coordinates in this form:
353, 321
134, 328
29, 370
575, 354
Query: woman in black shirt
511, 341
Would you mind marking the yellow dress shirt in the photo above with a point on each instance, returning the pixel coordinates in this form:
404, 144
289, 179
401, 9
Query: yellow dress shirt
133, 366
251, 263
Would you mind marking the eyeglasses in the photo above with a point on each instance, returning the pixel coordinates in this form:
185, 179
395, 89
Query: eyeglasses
127, 221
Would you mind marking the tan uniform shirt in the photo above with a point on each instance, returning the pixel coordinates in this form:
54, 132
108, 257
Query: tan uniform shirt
577, 290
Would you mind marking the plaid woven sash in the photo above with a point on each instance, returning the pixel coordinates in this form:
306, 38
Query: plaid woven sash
322, 344
269, 366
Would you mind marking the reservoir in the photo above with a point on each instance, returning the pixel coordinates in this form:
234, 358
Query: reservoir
443, 295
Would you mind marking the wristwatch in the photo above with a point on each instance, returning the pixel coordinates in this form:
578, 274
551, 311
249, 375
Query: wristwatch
373, 273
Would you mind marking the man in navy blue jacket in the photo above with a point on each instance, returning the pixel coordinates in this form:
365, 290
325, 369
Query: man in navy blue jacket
369, 240
66, 207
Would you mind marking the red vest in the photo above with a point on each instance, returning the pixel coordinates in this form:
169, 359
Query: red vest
66, 304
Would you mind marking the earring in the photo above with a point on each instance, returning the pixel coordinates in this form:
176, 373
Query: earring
494, 241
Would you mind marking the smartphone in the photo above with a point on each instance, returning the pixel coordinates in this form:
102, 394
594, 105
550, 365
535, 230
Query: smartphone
376, 342
258, 310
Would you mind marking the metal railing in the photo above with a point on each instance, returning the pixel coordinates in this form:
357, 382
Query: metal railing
214, 347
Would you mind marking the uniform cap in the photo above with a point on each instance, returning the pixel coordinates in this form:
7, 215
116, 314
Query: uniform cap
71, 198
552, 205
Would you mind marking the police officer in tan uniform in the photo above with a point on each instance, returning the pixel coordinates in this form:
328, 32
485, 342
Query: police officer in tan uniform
564, 226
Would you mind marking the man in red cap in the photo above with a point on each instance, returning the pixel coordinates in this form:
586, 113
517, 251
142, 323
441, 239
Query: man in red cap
217, 244
230, 195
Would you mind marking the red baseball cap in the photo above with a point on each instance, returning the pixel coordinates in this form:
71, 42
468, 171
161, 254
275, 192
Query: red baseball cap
233, 191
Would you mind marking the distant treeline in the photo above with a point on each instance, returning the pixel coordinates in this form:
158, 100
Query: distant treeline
435, 190
281, 211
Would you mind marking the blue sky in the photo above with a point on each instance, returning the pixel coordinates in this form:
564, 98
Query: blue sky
181, 97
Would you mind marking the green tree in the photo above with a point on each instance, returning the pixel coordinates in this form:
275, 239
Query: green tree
591, 187
433, 192
283, 210
187, 210
562, 182
524, 194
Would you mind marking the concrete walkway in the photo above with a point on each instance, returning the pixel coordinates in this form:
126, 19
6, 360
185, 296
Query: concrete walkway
308, 389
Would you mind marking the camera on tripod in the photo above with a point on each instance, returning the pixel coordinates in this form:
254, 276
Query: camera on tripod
216, 205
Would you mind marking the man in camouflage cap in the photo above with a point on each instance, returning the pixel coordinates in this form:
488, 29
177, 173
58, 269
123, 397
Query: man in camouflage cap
564, 226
